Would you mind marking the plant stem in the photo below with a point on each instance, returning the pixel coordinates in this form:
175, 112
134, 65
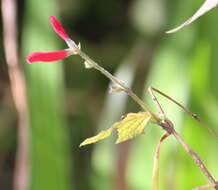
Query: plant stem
165, 124
195, 157
168, 126
193, 115
118, 82
155, 173
204, 187
156, 102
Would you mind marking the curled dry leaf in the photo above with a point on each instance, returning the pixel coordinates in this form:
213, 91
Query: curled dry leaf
208, 5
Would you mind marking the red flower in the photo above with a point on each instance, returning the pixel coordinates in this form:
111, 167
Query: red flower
55, 55
58, 28
47, 56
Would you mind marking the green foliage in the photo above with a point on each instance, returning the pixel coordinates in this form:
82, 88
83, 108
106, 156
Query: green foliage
49, 142
183, 64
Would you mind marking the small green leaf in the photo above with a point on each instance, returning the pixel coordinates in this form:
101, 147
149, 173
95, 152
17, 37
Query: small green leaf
98, 137
132, 125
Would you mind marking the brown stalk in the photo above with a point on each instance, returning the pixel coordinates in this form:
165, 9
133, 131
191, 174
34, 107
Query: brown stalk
155, 173
193, 115
160, 120
204, 187
168, 126
18, 90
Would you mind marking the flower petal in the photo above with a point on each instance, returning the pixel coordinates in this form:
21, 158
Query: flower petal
58, 28
46, 56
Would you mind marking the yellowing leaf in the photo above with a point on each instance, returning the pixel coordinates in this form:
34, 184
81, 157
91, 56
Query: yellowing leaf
132, 125
98, 137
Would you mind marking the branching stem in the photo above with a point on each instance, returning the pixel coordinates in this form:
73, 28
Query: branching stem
165, 124
169, 127
193, 115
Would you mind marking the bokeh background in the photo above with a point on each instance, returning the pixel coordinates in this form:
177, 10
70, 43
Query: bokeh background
65, 103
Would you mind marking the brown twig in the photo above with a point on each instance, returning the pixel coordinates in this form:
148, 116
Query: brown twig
155, 173
163, 122
168, 126
195, 157
193, 115
18, 89
154, 99
204, 187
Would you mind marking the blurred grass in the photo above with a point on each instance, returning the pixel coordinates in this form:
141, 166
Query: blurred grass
49, 146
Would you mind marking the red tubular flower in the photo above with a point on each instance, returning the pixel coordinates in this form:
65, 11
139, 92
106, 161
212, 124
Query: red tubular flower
55, 55
47, 56
58, 28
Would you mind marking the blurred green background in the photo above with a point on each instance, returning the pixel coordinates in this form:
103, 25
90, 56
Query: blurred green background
68, 103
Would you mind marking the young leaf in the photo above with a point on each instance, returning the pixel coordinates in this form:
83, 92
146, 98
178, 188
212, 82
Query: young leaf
98, 137
132, 125
208, 5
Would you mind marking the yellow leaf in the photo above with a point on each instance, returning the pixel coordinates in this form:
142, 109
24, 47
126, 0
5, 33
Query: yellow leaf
132, 125
98, 137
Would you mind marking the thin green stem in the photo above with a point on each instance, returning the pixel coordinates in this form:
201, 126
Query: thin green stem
95, 65
165, 124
